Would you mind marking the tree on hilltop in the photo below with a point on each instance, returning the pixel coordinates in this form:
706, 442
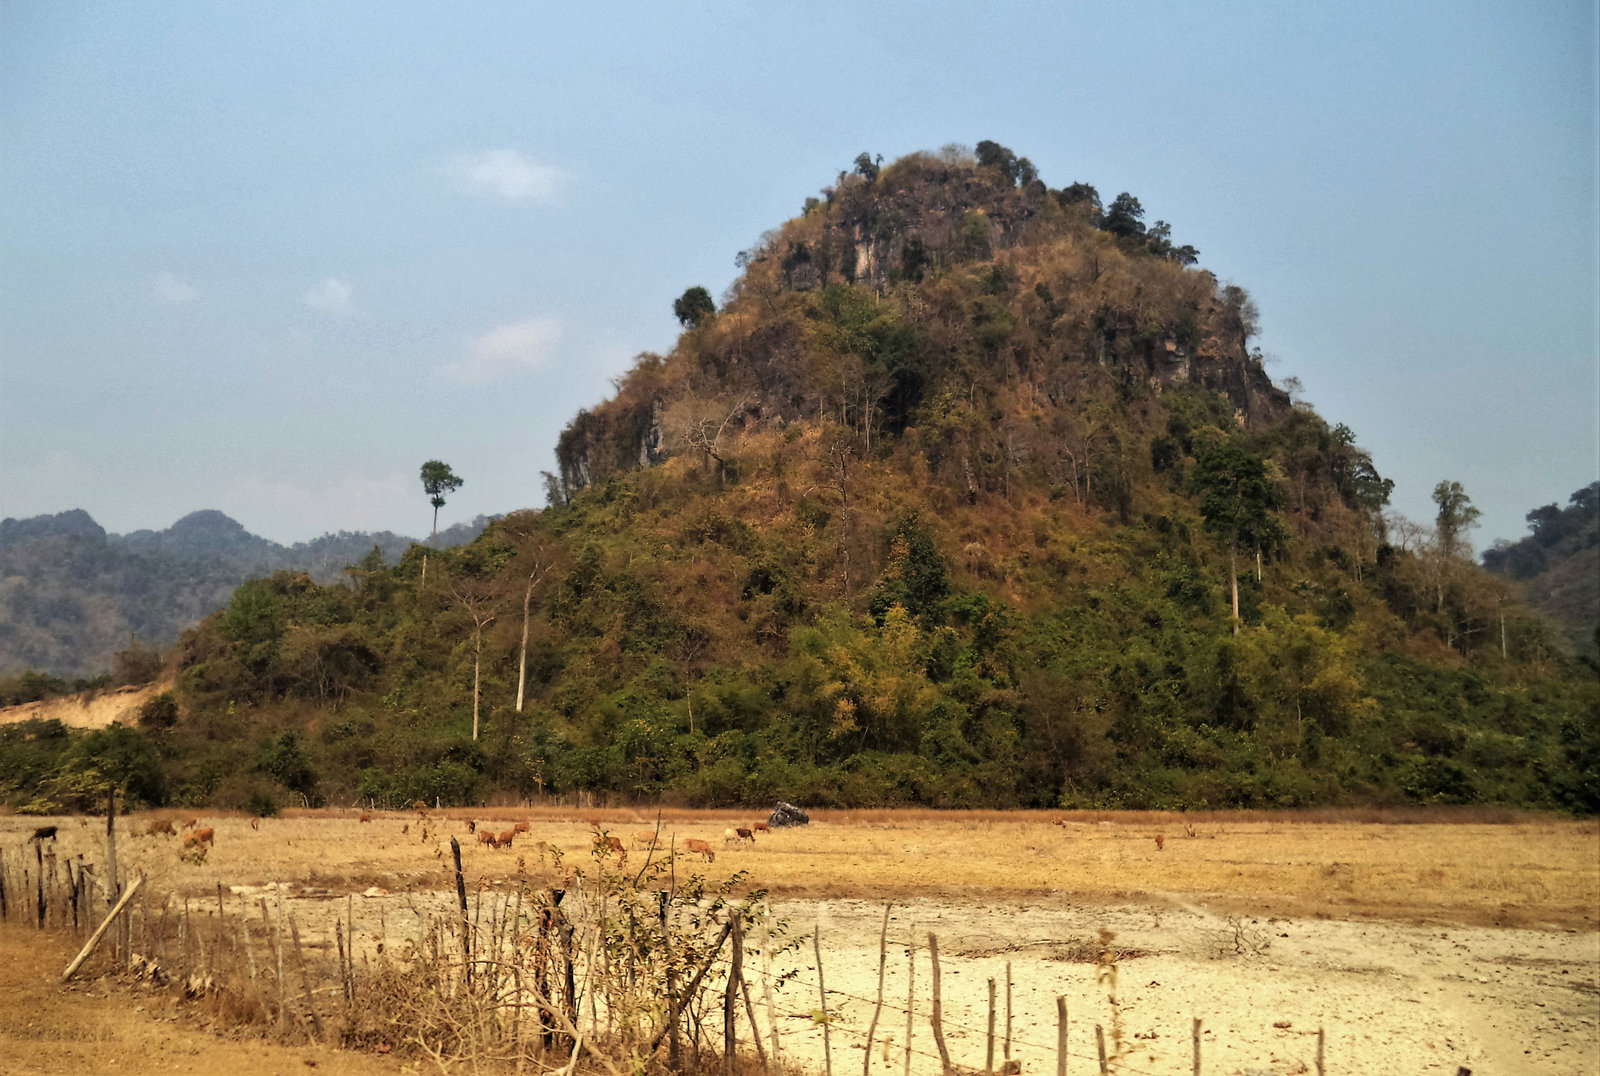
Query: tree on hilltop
694, 307
438, 480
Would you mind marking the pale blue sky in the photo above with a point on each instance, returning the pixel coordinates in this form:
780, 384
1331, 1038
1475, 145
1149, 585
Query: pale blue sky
269, 258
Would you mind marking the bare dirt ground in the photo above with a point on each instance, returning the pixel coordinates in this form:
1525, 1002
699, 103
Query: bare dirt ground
1418, 947
84, 710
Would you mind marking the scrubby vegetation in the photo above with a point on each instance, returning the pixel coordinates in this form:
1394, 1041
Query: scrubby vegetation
972, 493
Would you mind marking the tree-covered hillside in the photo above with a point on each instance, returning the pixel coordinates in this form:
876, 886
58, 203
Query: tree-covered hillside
1558, 566
972, 492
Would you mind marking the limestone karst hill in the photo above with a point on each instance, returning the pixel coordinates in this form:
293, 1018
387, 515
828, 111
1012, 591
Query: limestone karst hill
970, 492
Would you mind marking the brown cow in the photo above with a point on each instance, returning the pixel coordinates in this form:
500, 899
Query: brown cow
1161, 841
504, 840
761, 827
644, 838
255, 823
700, 848
520, 827
160, 827
486, 837
193, 822
365, 817
200, 837
44, 833
746, 835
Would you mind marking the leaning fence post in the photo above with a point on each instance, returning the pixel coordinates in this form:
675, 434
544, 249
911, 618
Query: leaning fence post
94, 938
1061, 1035
1197, 1046
305, 979
466, 923
1100, 1044
938, 1003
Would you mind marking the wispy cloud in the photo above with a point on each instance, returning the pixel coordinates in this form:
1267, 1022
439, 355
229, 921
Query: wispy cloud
521, 345
332, 296
171, 289
504, 175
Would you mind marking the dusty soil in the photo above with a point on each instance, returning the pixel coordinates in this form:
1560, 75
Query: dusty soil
1416, 947
84, 710
51, 1030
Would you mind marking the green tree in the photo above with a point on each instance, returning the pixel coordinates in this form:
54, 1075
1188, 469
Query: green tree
1237, 502
1456, 516
694, 307
438, 480
1125, 216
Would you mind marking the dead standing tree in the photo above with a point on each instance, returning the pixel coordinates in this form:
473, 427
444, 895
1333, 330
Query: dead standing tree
479, 598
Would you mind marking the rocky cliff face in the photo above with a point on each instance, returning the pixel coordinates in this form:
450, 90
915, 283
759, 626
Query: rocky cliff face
934, 279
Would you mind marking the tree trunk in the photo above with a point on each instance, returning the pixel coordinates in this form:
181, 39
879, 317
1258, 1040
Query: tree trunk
1233, 580
477, 660
434, 541
522, 665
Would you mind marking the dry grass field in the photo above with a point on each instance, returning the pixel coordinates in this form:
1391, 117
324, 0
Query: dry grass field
1422, 942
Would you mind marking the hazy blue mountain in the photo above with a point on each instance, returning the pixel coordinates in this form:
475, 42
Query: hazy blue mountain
72, 595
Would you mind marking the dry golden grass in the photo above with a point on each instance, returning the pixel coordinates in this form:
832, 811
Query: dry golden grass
1416, 867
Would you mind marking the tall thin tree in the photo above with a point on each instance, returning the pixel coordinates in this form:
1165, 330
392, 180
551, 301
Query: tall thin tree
437, 481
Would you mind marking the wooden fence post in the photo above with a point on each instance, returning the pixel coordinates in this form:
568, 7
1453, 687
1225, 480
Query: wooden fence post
1061, 1035
938, 1003
988, 1049
466, 923
1319, 1051
822, 992
877, 1010
1197, 1046
1100, 1044
911, 991
94, 938
730, 995
1008, 1011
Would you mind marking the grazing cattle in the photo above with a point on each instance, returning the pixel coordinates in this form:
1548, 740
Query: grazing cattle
614, 844
193, 822
472, 826
44, 833
700, 848
761, 827
160, 827
504, 840
419, 805
745, 835
365, 817
1062, 822
1161, 841
406, 828
200, 837
255, 823
520, 827
485, 837
644, 838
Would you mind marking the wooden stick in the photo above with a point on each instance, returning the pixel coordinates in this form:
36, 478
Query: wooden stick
938, 1003
1197, 1046
38, 852
94, 939
277, 944
1008, 1011
1319, 1051
1061, 1035
911, 991
111, 855
766, 987
461, 899
827, 1049
988, 1051
744, 987
1100, 1043
729, 1024
883, 957
305, 980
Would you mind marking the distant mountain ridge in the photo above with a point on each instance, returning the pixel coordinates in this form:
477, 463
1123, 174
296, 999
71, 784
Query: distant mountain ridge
73, 594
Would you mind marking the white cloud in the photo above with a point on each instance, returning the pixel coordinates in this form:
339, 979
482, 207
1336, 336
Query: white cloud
504, 175
332, 296
519, 345
171, 289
